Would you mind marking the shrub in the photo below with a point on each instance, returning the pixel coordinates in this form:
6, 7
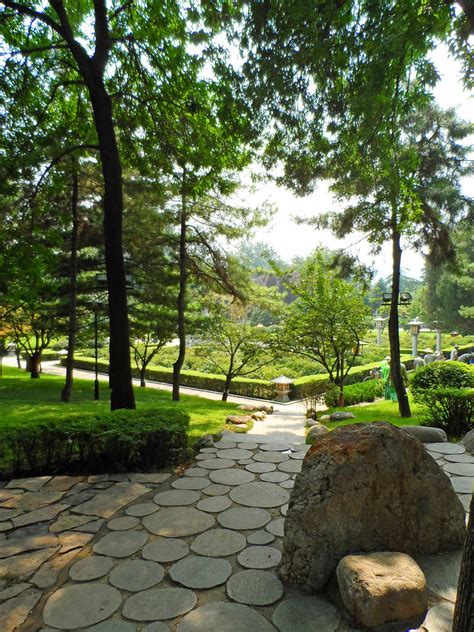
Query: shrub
312, 394
451, 409
115, 441
443, 375
355, 393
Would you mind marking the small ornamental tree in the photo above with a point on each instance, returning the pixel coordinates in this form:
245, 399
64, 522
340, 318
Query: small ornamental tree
326, 322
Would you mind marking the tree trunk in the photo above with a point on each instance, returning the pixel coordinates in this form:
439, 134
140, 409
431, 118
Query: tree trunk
181, 302
228, 380
143, 376
120, 362
394, 337
35, 364
464, 609
18, 359
72, 326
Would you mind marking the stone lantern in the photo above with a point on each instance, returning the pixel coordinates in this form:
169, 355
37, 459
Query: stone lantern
379, 325
437, 328
415, 326
282, 387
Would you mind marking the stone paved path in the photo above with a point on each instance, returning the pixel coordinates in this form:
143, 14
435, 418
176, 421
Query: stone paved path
162, 553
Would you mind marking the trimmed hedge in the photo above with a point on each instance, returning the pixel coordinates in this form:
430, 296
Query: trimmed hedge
123, 440
451, 409
443, 374
355, 393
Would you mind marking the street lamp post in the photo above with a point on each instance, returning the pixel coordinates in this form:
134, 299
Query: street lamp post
437, 329
415, 326
379, 324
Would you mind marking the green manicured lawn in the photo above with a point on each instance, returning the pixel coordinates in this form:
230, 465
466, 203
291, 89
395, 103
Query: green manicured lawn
380, 410
27, 401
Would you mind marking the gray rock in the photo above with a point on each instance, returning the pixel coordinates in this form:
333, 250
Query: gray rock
81, 605
260, 468
426, 434
276, 527
459, 458
135, 575
176, 522
402, 502
234, 453
21, 567
255, 588
165, 550
260, 538
196, 472
442, 573
14, 611
142, 509
106, 503
90, 568
214, 504
123, 524
238, 420
91, 527
47, 575
274, 447
216, 490
176, 497
216, 464
271, 457
22, 545
287, 484
293, 467
40, 515
13, 591
259, 557
30, 484
468, 441
445, 448
274, 477
225, 445
316, 430
161, 603
218, 543
66, 522
460, 469
197, 572
339, 416
224, 617
242, 518
190, 483
259, 494
462, 484
232, 477
120, 543
205, 442
299, 614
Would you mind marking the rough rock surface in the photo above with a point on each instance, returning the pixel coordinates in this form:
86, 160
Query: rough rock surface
426, 434
317, 430
379, 588
238, 419
468, 441
366, 487
338, 416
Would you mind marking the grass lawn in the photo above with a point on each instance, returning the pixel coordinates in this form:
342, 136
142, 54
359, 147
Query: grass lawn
380, 410
27, 401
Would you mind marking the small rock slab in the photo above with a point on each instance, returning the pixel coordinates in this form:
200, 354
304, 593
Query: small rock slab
14, 611
90, 568
165, 550
121, 543
113, 625
260, 468
293, 467
287, 484
176, 498
135, 575
106, 503
276, 527
65, 523
234, 453
142, 509
40, 515
260, 538
214, 504
216, 464
15, 546
241, 518
459, 458
199, 572
81, 605
301, 613
445, 448
231, 477
47, 575
274, 477
159, 603
274, 447
172, 522
460, 469
259, 494
224, 617
190, 483
30, 484
271, 457
255, 588
123, 524
24, 565
195, 472
299, 456
218, 543
462, 484
225, 445
216, 490
259, 557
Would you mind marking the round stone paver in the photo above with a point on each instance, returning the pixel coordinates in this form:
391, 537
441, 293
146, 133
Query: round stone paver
259, 557
260, 538
218, 543
260, 468
113, 625
156, 626
216, 490
123, 524
214, 504
255, 588
244, 461
291, 466
159, 603
244, 518
208, 450
175, 522
176, 497
234, 453
274, 447
231, 477
462, 484
259, 494
216, 464
81, 605
203, 457
200, 572
445, 448
287, 484
135, 575
121, 543
299, 456
459, 469
165, 550
225, 445
301, 613
274, 477
90, 568
271, 457
276, 527
224, 617
459, 458
191, 483
195, 471
142, 509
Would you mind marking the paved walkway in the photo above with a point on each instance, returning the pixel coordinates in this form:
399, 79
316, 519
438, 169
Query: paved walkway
191, 553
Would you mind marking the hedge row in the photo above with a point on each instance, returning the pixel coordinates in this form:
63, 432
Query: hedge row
355, 393
261, 389
124, 440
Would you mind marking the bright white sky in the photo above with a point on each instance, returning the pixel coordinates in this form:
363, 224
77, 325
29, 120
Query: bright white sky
291, 240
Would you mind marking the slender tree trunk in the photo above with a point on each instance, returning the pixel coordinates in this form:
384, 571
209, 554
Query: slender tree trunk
228, 380
72, 326
35, 364
181, 302
143, 376
18, 359
394, 337
464, 609
120, 363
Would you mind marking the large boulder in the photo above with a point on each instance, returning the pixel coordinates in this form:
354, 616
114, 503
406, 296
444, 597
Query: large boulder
341, 415
426, 434
378, 588
468, 441
316, 430
362, 488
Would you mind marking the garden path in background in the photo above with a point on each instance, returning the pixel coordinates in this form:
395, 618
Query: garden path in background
193, 551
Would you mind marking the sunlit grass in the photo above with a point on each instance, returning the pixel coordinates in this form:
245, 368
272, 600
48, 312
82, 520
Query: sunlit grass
380, 410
